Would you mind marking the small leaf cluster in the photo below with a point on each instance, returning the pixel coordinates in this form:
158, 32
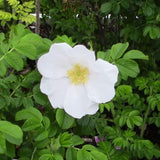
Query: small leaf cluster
18, 83
150, 87
127, 123
22, 44
19, 12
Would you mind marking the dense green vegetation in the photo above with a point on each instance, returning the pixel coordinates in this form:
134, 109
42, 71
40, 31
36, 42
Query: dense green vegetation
123, 32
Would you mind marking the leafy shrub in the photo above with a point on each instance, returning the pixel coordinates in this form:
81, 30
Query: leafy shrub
127, 126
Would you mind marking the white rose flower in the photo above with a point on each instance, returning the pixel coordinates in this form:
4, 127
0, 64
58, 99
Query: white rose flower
74, 80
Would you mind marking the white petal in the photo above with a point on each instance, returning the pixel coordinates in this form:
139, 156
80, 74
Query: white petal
93, 108
47, 86
55, 63
60, 48
80, 54
81, 50
99, 89
101, 81
76, 101
45, 65
56, 100
110, 70
56, 90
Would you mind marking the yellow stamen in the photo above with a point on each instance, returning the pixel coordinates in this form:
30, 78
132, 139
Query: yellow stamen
78, 74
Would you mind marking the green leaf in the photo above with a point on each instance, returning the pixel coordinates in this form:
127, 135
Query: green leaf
38, 96
101, 55
154, 32
3, 69
47, 157
133, 113
29, 113
118, 50
76, 140
130, 123
64, 120
47, 41
96, 155
42, 144
123, 90
129, 134
2, 37
147, 10
27, 102
122, 121
2, 143
14, 60
65, 139
27, 50
125, 3
135, 54
31, 78
109, 106
106, 7
127, 67
146, 30
156, 152
46, 122
121, 142
16, 33
83, 154
64, 38
41, 45
57, 156
53, 129
12, 133
116, 8
89, 147
137, 120
104, 55
86, 126
148, 144
71, 154
43, 135
31, 124
25, 152
56, 143
10, 150
4, 47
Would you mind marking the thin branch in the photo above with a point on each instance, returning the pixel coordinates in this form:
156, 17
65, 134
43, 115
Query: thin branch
37, 29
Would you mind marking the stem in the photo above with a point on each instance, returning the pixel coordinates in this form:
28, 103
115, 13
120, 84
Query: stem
14, 90
32, 157
19, 85
6, 54
37, 30
144, 125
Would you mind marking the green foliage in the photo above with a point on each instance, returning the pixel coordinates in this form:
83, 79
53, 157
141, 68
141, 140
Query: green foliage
19, 12
19, 47
10, 134
64, 120
127, 66
30, 129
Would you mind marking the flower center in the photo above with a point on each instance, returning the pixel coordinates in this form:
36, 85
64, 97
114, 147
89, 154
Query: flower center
78, 74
